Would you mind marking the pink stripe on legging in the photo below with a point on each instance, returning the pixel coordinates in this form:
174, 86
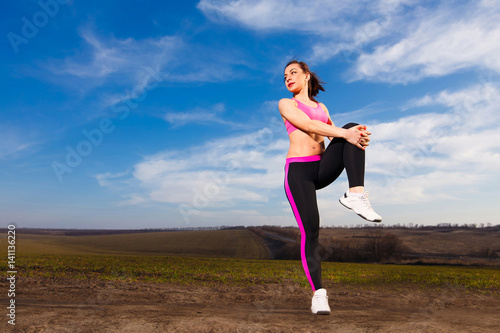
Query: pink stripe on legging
299, 221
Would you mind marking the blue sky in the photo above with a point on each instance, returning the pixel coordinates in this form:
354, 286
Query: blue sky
159, 114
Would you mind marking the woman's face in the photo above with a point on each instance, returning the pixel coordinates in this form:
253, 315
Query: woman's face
295, 78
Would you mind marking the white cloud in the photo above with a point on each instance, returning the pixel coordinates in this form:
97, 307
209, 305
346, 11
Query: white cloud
123, 68
445, 156
318, 17
108, 178
432, 156
110, 56
15, 140
338, 25
445, 40
217, 174
132, 66
394, 41
199, 116
134, 199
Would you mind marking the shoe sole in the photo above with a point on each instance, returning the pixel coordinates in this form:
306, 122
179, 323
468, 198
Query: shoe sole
322, 313
375, 221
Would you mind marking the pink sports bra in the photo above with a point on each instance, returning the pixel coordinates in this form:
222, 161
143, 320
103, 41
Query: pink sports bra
316, 113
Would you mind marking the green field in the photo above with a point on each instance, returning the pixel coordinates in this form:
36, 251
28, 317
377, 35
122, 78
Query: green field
240, 272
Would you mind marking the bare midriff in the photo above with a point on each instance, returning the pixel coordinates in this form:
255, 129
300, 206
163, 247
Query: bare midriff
305, 144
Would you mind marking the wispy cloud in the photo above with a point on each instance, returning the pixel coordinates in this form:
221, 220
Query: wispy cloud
15, 140
224, 171
445, 40
318, 17
429, 156
108, 178
104, 57
130, 65
383, 40
123, 69
205, 182
199, 116
338, 25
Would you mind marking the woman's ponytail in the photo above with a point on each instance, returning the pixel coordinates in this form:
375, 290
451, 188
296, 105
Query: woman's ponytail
315, 85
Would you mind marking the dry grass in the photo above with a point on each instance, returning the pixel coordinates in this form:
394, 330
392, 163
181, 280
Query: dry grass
457, 242
213, 243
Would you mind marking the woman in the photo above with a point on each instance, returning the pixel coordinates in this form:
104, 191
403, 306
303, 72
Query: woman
309, 166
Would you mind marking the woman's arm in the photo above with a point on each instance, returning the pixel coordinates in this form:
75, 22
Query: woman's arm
300, 120
366, 135
330, 121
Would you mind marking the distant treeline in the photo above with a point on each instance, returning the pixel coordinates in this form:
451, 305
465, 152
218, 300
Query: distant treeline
91, 232
440, 226
286, 231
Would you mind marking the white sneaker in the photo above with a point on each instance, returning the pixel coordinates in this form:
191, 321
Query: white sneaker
361, 206
320, 303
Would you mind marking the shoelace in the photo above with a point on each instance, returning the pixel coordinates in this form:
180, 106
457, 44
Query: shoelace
365, 200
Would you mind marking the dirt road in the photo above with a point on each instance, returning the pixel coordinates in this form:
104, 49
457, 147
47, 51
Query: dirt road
66, 305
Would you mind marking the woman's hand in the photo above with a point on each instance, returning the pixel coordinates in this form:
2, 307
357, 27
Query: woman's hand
358, 136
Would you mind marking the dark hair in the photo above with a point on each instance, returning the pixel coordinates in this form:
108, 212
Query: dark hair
315, 84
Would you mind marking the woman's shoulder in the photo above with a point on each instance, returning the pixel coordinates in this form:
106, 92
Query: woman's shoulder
323, 106
287, 101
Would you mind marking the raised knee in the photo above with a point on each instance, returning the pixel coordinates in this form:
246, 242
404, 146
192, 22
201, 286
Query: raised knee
349, 125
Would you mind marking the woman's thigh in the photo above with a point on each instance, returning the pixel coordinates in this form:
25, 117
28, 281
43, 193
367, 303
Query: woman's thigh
332, 160
301, 192
331, 164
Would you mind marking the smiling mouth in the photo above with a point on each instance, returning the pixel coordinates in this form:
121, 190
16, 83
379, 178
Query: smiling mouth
290, 84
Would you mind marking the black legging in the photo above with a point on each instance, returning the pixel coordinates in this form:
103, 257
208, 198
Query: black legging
305, 175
